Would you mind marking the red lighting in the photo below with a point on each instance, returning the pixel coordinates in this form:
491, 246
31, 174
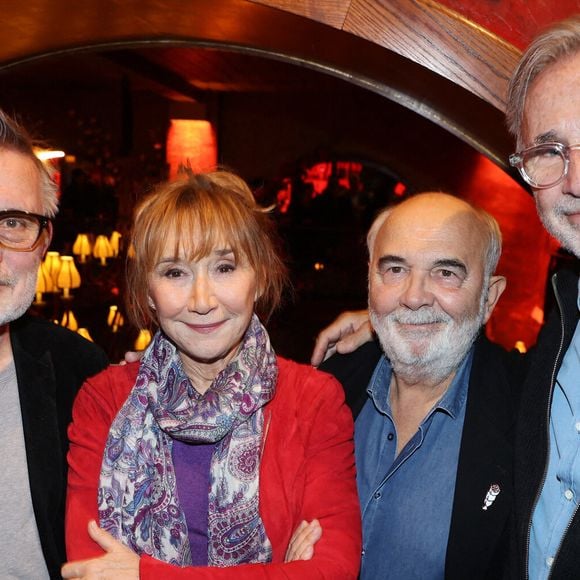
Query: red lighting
284, 196
191, 142
399, 189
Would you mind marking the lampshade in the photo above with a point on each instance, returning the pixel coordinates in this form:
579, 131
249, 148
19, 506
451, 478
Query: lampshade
44, 283
115, 241
102, 249
143, 340
82, 247
69, 320
115, 319
69, 276
52, 267
84, 332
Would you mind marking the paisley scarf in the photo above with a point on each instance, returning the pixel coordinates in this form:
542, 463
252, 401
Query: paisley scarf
137, 495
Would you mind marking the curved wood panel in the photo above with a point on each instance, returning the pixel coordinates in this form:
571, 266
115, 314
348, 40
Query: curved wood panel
49, 27
425, 32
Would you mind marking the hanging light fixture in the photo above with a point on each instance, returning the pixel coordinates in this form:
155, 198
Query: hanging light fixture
69, 321
82, 247
102, 249
115, 241
44, 283
68, 276
84, 332
115, 319
143, 340
52, 267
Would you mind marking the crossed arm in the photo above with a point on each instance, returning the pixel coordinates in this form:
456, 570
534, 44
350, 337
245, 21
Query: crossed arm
121, 563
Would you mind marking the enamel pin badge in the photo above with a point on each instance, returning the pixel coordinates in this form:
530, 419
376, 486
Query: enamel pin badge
490, 496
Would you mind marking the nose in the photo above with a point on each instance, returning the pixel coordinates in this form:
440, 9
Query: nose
572, 183
417, 292
202, 299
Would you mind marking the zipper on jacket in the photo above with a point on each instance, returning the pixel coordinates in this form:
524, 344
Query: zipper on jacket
541, 487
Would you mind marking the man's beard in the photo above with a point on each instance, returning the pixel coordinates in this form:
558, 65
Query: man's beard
425, 355
555, 220
15, 305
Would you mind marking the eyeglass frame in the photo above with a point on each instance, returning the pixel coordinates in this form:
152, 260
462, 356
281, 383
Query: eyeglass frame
517, 160
45, 223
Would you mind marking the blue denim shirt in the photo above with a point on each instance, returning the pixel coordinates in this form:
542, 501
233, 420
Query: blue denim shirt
561, 492
406, 500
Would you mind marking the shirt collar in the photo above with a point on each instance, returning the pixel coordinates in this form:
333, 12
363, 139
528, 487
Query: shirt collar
450, 403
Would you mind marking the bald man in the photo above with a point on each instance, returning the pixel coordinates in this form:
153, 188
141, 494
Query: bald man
433, 436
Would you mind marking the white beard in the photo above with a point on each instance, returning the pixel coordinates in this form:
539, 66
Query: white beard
16, 304
556, 222
426, 355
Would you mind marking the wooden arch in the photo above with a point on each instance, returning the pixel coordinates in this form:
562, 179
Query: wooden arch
414, 52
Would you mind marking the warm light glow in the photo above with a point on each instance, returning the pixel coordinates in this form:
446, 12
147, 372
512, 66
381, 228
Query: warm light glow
46, 154
69, 276
69, 320
521, 346
114, 240
82, 247
44, 283
190, 142
115, 319
143, 340
85, 334
318, 266
102, 249
52, 268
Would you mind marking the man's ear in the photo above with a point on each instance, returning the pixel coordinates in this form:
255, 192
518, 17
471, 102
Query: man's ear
497, 285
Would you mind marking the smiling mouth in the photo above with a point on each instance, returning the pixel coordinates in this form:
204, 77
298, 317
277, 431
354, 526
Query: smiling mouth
573, 217
206, 328
418, 327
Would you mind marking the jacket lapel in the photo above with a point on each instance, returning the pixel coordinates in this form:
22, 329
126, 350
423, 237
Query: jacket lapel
42, 437
485, 467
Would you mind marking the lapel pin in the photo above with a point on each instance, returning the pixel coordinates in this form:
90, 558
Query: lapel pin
490, 496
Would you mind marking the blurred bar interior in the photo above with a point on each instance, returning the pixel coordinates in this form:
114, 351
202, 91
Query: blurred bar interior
328, 113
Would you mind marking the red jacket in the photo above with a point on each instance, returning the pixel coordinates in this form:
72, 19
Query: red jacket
307, 471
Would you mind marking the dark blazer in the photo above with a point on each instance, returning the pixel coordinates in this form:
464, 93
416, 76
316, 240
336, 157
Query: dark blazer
51, 365
533, 434
478, 539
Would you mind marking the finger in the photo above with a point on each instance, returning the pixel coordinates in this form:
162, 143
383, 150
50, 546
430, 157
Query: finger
73, 570
290, 553
350, 342
302, 548
322, 350
102, 537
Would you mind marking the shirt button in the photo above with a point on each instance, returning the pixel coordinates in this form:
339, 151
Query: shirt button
390, 436
549, 561
568, 494
577, 427
377, 495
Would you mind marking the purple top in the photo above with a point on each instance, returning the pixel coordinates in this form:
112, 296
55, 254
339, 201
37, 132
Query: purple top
192, 466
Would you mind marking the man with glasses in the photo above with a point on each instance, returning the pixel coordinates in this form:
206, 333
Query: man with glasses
41, 367
544, 115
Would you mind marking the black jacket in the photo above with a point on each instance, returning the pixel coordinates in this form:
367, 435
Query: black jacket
51, 365
533, 427
478, 542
